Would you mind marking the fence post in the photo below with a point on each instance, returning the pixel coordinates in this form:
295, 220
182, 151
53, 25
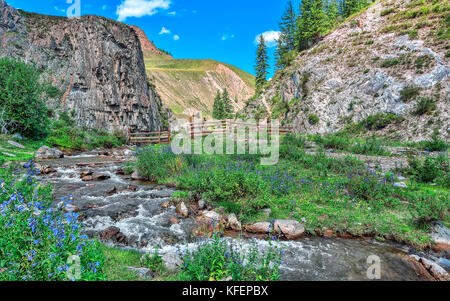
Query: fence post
168, 133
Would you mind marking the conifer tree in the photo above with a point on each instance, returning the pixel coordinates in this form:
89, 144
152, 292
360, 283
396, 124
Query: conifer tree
349, 7
228, 109
262, 64
312, 23
332, 12
286, 41
218, 108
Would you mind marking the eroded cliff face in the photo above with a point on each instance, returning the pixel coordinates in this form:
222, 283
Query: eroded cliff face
96, 63
388, 59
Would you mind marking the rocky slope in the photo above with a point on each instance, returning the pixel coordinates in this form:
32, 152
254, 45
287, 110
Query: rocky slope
391, 58
96, 63
189, 86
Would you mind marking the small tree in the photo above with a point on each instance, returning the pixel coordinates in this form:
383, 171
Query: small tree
286, 41
228, 109
217, 108
21, 100
262, 64
312, 23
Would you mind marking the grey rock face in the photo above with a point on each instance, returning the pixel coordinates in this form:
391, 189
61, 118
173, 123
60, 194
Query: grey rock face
171, 261
96, 62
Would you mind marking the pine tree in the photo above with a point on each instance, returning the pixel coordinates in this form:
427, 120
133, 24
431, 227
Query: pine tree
312, 23
332, 12
350, 7
228, 109
286, 41
262, 64
218, 108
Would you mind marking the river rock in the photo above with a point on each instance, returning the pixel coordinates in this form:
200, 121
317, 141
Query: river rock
15, 144
290, 228
201, 204
234, 223
87, 178
86, 173
211, 217
100, 177
400, 185
136, 177
144, 273
128, 153
46, 152
113, 233
260, 228
172, 261
436, 270
182, 210
441, 237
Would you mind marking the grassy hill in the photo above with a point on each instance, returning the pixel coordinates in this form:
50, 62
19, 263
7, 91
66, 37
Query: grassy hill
188, 85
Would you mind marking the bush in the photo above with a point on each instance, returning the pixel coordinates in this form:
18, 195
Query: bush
313, 119
217, 259
380, 121
158, 162
429, 206
436, 144
154, 262
371, 146
36, 241
409, 92
426, 171
21, 100
424, 106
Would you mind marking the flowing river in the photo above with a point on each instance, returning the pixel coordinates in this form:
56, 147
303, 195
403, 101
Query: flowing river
136, 209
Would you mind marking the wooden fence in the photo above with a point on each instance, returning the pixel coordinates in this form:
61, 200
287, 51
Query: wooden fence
203, 129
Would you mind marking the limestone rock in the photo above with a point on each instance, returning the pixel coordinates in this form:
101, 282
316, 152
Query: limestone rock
182, 210
16, 144
234, 223
144, 273
260, 228
172, 261
400, 185
289, 228
46, 152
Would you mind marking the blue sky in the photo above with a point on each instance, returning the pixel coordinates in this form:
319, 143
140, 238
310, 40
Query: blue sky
197, 29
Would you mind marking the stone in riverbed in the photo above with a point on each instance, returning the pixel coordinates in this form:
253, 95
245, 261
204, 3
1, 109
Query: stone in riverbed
100, 177
144, 273
172, 261
260, 228
234, 223
210, 217
290, 228
201, 204
182, 210
46, 152
113, 233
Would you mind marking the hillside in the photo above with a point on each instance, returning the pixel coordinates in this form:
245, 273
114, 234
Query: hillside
188, 86
388, 65
95, 65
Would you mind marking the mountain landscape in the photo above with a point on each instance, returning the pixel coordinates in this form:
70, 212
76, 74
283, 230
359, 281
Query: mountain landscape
97, 184
390, 61
189, 86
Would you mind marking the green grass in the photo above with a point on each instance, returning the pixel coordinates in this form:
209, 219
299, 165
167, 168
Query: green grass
21, 155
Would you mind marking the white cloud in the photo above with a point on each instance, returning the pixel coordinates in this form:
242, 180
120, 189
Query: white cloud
172, 13
164, 31
271, 38
227, 36
140, 8
176, 37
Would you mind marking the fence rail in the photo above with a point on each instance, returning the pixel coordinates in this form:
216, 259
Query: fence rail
203, 129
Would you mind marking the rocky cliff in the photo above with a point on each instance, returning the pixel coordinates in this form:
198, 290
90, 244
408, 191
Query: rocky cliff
392, 59
96, 63
189, 86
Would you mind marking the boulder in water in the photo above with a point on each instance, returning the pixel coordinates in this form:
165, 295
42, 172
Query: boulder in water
46, 152
260, 228
234, 223
289, 228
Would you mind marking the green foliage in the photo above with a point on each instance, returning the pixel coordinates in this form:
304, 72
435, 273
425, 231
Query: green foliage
65, 134
155, 163
312, 23
380, 121
436, 144
21, 102
430, 169
262, 64
222, 109
409, 92
430, 206
390, 62
313, 119
217, 259
424, 106
371, 146
154, 262
286, 41
350, 7
36, 241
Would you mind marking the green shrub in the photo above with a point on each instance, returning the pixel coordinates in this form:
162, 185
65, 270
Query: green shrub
424, 106
158, 162
371, 146
426, 171
380, 121
154, 262
21, 100
429, 206
36, 241
217, 259
436, 144
295, 140
409, 92
390, 63
313, 119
